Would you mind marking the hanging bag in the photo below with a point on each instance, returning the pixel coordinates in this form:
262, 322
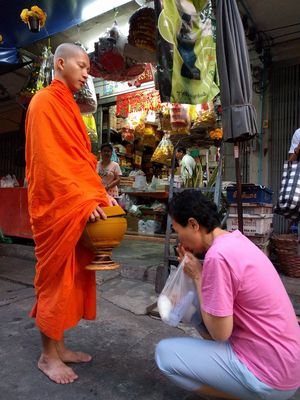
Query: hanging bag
288, 203
178, 300
86, 97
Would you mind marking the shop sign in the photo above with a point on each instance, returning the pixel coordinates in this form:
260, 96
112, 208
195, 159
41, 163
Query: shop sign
140, 100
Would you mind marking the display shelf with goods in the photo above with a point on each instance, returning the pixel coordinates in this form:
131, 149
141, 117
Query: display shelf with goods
146, 211
145, 132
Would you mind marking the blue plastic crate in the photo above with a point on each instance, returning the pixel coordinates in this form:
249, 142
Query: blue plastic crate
250, 194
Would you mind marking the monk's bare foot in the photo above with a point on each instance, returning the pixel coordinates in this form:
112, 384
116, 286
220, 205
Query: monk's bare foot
70, 356
56, 370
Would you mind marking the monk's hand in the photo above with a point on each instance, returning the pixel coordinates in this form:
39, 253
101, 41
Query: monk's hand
192, 266
97, 214
112, 201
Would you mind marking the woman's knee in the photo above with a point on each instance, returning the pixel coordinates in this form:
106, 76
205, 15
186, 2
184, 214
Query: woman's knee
164, 354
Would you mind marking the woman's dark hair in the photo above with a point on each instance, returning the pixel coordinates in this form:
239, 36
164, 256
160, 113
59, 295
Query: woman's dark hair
191, 203
106, 145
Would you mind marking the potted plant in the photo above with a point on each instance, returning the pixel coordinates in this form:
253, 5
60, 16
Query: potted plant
35, 18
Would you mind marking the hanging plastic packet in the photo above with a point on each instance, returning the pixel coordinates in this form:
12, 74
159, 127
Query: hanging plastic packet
180, 118
46, 71
186, 49
163, 152
90, 124
108, 59
86, 97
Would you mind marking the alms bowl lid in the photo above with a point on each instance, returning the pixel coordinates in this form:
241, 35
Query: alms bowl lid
113, 211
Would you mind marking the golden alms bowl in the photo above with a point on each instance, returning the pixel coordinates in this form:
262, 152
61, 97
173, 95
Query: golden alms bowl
104, 235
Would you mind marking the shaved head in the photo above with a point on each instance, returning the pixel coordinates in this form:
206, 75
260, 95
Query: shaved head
67, 50
71, 65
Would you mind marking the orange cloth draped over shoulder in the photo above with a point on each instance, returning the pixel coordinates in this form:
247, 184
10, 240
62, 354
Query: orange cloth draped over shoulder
63, 190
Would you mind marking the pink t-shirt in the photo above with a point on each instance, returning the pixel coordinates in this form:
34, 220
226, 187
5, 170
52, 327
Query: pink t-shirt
238, 279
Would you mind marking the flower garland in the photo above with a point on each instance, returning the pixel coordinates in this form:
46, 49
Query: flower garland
35, 11
216, 134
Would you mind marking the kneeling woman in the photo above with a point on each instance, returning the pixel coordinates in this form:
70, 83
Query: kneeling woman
255, 351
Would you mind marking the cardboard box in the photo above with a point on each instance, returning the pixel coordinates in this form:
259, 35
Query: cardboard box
132, 223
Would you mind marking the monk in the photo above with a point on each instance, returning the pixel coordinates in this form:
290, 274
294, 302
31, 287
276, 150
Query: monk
64, 192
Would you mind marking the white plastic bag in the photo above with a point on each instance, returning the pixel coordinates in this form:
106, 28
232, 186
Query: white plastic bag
178, 300
8, 181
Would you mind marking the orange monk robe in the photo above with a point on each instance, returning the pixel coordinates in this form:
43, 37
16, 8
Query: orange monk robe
63, 190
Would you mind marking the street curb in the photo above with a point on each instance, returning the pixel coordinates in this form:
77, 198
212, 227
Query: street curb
140, 273
17, 251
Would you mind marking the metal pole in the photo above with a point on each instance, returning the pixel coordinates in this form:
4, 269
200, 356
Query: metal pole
162, 272
261, 125
218, 186
238, 186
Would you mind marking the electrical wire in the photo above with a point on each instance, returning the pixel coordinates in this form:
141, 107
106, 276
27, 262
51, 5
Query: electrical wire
282, 27
286, 41
285, 34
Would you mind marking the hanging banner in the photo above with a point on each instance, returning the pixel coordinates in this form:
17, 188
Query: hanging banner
140, 100
146, 76
186, 70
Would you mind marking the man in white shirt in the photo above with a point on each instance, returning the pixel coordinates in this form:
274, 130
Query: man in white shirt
295, 146
186, 162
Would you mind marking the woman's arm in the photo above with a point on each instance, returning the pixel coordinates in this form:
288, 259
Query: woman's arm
220, 328
114, 183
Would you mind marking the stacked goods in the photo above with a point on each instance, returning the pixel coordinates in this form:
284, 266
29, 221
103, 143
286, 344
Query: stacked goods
250, 194
126, 181
142, 28
257, 214
253, 224
257, 223
252, 208
180, 118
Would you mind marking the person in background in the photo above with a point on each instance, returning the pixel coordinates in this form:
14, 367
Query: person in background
255, 351
64, 193
114, 156
186, 162
109, 170
295, 146
294, 156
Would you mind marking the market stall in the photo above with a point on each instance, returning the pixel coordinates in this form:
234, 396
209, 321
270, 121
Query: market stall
14, 217
145, 130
